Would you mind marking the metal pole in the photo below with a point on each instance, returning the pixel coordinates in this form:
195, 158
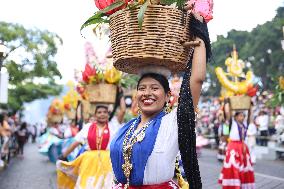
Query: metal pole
1, 62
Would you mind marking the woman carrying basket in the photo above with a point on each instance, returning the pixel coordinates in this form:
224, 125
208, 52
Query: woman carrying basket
92, 169
144, 151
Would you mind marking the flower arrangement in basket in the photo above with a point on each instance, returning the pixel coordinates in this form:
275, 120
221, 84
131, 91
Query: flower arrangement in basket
70, 101
55, 111
149, 32
99, 79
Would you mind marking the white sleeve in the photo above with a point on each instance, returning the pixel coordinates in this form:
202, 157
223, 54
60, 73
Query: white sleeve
53, 131
234, 133
67, 133
173, 115
114, 125
83, 134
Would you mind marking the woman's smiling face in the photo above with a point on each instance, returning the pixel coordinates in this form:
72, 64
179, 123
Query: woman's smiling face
151, 96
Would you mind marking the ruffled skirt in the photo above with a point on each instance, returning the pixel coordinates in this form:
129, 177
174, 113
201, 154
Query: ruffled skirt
91, 170
53, 147
237, 171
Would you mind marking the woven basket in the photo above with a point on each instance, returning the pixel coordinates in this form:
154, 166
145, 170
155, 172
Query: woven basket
101, 93
159, 42
56, 118
240, 102
70, 114
86, 109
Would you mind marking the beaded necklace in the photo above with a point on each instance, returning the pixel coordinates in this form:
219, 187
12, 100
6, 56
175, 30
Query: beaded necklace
99, 137
132, 136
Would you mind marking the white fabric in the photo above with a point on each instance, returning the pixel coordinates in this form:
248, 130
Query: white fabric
54, 131
161, 163
22, 132
234, 133
279, 123
68, 133
263, 122
252, 130
82, 136
251, 133
251, 140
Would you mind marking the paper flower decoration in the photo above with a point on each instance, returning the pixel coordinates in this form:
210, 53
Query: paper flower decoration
204, 8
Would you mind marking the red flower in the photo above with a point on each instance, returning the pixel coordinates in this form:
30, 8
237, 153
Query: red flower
88, 72
80, 89
252, 91
67, 106
102, 4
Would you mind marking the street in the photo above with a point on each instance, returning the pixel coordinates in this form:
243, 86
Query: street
34, 171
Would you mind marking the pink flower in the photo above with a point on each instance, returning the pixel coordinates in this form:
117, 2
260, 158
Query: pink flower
204, 8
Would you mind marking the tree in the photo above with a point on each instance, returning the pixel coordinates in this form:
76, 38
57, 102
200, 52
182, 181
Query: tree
30, 63
261, 47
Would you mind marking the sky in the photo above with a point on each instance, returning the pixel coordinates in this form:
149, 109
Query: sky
65, 18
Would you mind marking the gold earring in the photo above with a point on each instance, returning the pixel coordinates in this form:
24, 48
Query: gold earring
168, 108
139, 111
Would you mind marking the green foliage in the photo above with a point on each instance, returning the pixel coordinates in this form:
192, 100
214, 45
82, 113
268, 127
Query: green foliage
30, 63
100, 16
278, 93
180, 3
253, 47
129, 81
141, 13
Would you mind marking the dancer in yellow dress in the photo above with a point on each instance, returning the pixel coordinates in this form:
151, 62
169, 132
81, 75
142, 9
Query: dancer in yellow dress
92, 169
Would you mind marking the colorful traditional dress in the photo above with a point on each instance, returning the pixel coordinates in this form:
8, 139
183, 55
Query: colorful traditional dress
237, 170
92, 169
145, 158
52, 146
153, 159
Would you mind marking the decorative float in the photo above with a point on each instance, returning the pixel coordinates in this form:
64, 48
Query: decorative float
236, 85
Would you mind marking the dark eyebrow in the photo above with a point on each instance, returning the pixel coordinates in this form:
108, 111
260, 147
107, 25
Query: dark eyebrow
155, 85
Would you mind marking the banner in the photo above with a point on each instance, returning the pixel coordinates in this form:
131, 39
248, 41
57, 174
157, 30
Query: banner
4, 80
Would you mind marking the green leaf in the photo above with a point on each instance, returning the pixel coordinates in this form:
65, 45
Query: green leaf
95, 19
113, 6
280, 97
141, 13
180, 4
168, 2
98, 17
132, 6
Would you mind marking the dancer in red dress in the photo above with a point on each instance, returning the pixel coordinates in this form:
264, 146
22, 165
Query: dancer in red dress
237, 172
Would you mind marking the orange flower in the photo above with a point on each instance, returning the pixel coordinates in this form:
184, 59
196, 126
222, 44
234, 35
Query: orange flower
281, 82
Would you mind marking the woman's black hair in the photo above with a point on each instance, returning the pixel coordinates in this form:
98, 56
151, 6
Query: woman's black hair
158, 77
100, 106
238, 113
199, 29
23, 126
1, 119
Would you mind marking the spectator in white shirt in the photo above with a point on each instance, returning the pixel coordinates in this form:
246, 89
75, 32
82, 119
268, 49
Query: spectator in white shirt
263, 122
